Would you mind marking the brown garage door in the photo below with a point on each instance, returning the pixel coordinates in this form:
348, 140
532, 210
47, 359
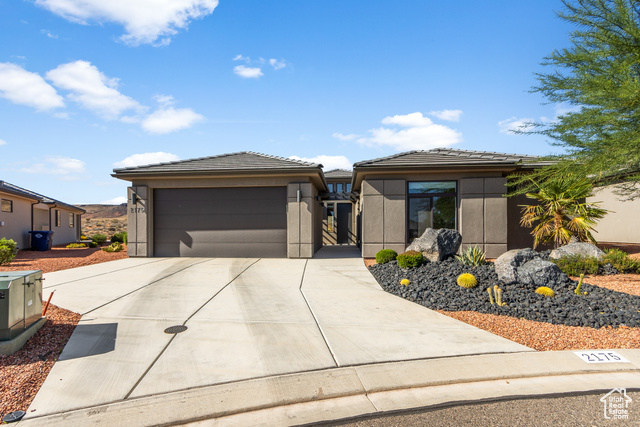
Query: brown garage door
220, 222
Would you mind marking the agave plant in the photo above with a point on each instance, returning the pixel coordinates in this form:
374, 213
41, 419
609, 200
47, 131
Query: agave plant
560, 212
473, 255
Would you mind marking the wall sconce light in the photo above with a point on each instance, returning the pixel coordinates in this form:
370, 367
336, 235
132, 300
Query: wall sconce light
134, 198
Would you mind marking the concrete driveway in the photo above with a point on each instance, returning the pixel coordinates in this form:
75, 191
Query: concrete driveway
246, 318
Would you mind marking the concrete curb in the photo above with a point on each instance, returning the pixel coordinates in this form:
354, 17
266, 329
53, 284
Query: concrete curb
355, 391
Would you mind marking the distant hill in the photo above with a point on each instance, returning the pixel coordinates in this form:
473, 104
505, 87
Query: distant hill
104, 219
104, 211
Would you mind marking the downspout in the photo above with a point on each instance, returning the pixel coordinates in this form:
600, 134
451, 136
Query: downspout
51, 207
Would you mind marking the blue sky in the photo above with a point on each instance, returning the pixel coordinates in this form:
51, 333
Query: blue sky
89, 85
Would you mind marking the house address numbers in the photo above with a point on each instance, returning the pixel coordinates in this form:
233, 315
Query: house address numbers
137, 210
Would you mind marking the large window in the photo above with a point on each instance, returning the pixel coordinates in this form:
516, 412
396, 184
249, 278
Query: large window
7, 205
432, 204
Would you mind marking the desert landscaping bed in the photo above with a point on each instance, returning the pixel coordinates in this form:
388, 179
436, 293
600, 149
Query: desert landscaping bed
61, 258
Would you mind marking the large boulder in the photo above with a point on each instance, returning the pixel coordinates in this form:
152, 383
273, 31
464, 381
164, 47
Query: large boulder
578, 248
538, 272
507, 264
437, 245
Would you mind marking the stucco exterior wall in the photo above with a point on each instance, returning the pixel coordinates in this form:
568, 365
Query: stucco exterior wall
622, 224
482, 210
63, 234
304, 219
17, 224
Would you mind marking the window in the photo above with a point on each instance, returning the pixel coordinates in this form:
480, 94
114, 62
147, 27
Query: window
330, 188
348, 186
7, 205
431, 205
58, 218
72, 220
339, 187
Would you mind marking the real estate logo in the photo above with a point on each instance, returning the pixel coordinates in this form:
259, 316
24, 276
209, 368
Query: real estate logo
616, 404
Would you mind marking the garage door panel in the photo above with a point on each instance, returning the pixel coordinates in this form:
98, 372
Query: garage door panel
220, 222
223, 236
180, 207
222, 250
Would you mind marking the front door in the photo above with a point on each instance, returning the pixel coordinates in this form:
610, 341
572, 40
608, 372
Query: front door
345, 223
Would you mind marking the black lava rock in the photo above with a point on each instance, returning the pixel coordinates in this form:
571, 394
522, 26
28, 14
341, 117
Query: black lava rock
434, 286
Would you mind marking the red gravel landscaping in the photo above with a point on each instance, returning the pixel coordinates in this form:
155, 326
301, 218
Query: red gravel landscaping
61, 259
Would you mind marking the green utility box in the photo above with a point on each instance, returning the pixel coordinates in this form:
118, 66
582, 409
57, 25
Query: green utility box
20, 301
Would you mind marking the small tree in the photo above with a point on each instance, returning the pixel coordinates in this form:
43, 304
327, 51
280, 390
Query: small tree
561, 213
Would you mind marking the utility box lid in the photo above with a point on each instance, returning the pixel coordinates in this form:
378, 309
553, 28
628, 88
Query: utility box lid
6, 277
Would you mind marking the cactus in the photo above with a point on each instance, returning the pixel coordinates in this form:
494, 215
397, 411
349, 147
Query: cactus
498, 293
405, 282
490, 295
577, 291
547, 292
467, 280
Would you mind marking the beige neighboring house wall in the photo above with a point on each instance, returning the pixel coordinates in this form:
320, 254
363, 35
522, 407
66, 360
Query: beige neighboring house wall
17, 224
622, 224
32, 211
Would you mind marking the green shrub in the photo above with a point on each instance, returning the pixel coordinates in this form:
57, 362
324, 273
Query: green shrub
93, 244
575, 265
119, 237
76, 245
99, 238
114, 247
410, 259
473, 255
386, 255
621, 261
8, 250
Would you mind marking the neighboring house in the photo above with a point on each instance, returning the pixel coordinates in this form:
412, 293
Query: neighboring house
620, 225
23, 210
254, 205
338, 221
233, 205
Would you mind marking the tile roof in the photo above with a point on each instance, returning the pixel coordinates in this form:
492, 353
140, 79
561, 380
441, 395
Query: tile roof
445, 157
19, 191
242, 161
338, 173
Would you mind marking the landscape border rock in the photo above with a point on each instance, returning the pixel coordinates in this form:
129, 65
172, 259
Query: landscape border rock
577, 248
507, 264
437, 244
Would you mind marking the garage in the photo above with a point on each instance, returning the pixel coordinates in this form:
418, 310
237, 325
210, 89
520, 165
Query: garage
220, 222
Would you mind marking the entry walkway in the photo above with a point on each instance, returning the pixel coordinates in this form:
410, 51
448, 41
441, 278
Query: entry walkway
247, 319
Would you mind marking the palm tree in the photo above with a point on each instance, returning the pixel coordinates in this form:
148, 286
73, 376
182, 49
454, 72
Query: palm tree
561, 212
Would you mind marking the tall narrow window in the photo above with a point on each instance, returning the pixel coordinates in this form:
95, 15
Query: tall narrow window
339, 187
7, 205
431, 204
72, 220
58, 218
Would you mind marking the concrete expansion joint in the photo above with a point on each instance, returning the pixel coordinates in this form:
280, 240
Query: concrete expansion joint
315, 318
137, 383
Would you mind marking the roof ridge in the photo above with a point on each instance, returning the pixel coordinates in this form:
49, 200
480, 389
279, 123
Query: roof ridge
271, 156
392, 156
484, 152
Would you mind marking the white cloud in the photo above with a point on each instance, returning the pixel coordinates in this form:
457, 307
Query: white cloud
145, 21
49, 34
343, 137
240, 57
146, 159
420, 133
329, 162
3, 142
514, 124
277, 65
169, 119
91, 89
65, 167
448, 115
114, 201
164, 100
247, 72
26, 88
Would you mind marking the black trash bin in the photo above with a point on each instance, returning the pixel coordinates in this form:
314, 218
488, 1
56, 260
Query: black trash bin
41, 240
